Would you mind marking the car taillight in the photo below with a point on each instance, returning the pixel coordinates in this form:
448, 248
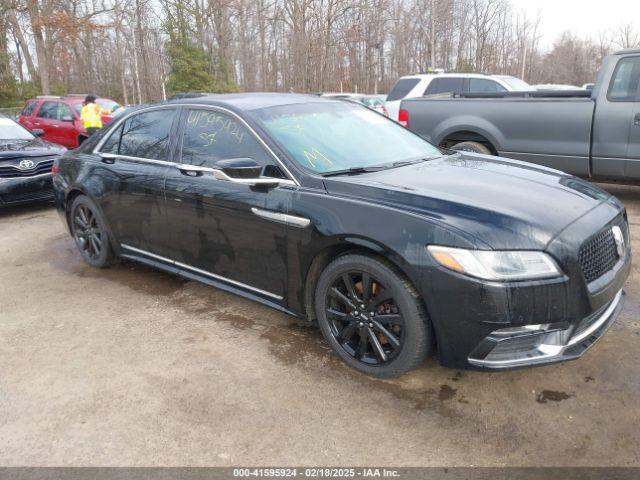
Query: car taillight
403, 118
54, 170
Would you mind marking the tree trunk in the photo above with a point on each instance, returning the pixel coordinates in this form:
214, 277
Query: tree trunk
17, 32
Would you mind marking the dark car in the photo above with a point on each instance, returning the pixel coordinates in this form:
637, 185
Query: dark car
25, 164
328, 211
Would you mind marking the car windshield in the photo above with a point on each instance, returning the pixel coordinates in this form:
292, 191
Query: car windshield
107, 104
517, 85
10, 130
336, 136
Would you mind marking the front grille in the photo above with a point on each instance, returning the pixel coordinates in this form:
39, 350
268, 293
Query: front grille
598, 255
45, 194
40, 167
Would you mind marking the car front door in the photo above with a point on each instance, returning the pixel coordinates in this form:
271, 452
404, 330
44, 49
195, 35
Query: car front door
226, 231
616, 130
632, 169
133, 160
66, 130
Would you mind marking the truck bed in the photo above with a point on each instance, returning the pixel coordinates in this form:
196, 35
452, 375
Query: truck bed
513, 124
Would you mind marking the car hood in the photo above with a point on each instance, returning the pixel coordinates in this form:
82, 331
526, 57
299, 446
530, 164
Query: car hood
502, 203
34, 148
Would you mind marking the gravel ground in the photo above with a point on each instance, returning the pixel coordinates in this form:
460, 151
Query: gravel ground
132, 366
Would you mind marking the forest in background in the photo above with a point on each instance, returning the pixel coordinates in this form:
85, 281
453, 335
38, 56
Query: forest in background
137, 51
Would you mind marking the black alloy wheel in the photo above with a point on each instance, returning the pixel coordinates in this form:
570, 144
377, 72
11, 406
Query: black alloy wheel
371, 316
89, 232
364, 318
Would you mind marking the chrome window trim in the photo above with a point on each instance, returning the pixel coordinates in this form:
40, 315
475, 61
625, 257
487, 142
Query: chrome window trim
201, 272
115, 126
138, 159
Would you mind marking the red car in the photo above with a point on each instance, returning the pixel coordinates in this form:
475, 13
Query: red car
59, 118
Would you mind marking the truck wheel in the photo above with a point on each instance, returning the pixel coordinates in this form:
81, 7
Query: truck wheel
371, 316
474, 147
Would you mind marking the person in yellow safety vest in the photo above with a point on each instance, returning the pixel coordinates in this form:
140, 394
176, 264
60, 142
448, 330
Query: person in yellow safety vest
91, 115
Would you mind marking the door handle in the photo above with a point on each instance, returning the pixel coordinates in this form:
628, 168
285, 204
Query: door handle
109, 158
636, 120
192, 170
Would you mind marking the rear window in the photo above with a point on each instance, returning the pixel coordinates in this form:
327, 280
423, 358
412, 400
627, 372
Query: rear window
145, 135
29, 107
624, 84
445, 85
402, 88
481, 85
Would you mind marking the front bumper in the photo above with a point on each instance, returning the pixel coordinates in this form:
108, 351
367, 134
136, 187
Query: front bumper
471, 317
15, 191
538, 345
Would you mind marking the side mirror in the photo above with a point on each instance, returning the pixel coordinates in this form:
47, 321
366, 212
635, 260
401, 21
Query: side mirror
240, 168
38, 132
67, 118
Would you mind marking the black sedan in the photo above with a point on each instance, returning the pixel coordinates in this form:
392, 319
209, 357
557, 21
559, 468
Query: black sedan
25, 164
331, 212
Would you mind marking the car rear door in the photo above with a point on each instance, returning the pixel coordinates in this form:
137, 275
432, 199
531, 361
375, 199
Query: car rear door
399, 91
46, 119
445, 85
228, 232
26, 117
616, 131
134, 158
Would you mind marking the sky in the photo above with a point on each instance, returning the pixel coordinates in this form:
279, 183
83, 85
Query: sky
586, 18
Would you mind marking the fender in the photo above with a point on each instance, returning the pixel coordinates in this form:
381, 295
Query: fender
468, 123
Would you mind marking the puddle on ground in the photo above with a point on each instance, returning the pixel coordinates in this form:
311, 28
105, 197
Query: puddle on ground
446, 393
552, 396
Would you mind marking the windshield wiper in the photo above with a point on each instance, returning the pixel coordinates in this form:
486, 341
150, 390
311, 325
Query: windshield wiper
402, 163
353, 171
376, 168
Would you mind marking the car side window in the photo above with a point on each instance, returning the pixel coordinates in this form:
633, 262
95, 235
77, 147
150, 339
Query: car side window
481, 85
146, 135
28, 108
402, 88
112, 144
210, 136
64, 112
625, 81
445, 85
48, 110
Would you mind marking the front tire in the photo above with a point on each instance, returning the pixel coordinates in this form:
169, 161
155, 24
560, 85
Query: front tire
90, 233
371, 316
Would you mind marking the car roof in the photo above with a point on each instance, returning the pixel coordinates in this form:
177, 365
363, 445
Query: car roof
627, 51
65, 98
436, 75
251, 101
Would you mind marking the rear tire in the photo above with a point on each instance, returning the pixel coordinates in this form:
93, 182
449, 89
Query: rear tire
371, 316
90, 233
474, 147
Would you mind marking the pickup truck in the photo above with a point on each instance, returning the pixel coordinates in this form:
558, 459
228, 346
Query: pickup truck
592, 134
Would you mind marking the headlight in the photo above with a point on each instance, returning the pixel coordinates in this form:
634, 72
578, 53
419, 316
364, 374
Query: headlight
496, 265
